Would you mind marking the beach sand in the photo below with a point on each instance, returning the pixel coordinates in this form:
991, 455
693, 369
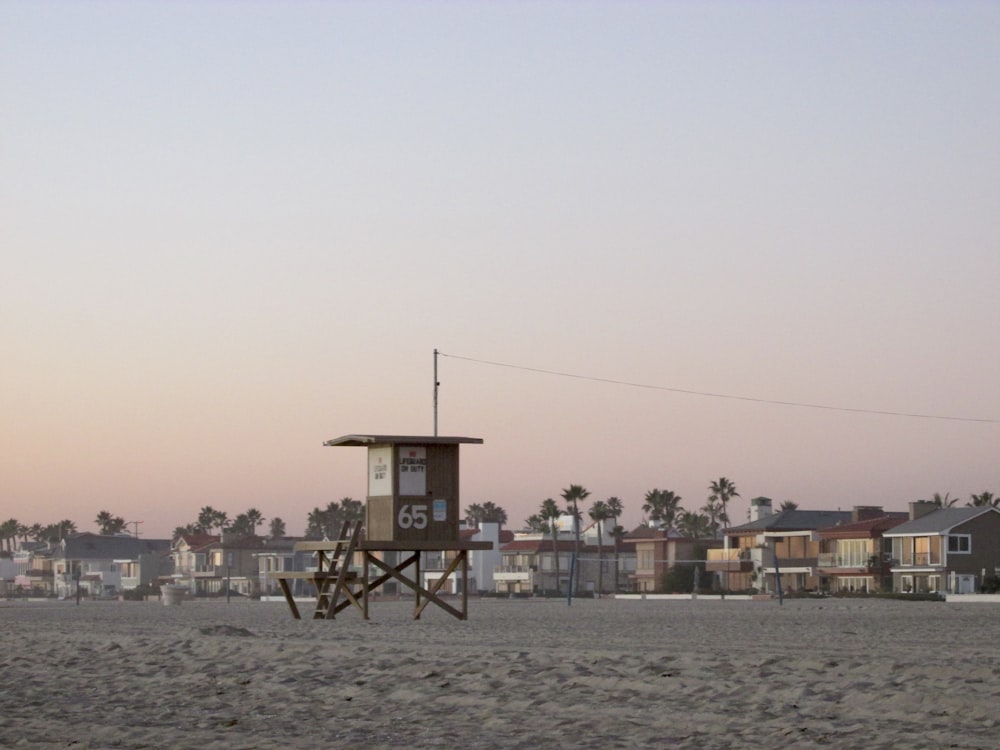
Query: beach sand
518, 674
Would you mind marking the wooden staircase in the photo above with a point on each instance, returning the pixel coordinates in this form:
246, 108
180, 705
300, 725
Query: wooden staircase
332, 575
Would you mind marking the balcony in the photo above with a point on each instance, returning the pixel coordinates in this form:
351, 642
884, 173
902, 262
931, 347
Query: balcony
919, 560
728, 561
513, 573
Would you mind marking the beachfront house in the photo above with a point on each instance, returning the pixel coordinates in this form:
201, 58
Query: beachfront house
856, 556
787, 542
33, 569
657, 552
950, 550
209, 565
482, 563
278, 555
107, 564
529, 563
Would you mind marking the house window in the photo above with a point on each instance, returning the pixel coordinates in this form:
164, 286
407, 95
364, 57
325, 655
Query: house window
960, 544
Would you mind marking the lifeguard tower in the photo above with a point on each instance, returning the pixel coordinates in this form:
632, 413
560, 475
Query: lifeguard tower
412, 507
412, 486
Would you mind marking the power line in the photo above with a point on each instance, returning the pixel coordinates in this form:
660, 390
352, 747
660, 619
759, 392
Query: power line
709, 394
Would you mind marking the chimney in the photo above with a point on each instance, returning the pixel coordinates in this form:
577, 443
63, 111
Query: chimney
866, 512
760, 507
920, 508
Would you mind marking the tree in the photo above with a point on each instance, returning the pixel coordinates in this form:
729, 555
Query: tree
488, 512
8, 532
694, 525
723, 490
944, 502
328, 522
788, 505
493, 513
617, 533
662, 506
535, 523
276, 529
715, 514
573, 496
984, 499
616, 508
189, 529
109, 524
473, 514
549, 512
599, 513
255, 518
209, 518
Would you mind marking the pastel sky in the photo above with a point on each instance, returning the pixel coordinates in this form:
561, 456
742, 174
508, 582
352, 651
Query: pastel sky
231, 231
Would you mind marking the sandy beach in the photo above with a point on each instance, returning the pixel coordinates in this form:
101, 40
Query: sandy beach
517, 674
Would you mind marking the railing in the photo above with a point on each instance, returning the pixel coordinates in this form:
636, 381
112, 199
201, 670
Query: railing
513, 573
726, 555
835, 560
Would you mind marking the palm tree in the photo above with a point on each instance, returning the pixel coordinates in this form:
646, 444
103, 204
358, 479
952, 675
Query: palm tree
662, 507
599, 513
535, 523
256, 518
182, 530
573, 496
276, 529
617, 533
493, 513
615, 508
944, 502
206, 519
714, 512
8, 530
550, 513
473, 514
694, 525
109, 524
984, 499
488, 512
723, 490
788, 505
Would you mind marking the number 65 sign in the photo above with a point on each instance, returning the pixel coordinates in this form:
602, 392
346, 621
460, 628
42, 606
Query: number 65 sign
412, 516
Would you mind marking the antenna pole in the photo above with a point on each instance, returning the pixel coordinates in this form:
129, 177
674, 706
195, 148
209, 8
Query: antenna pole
436, 384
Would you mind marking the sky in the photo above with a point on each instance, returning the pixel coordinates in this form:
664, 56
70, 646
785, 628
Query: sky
233, 230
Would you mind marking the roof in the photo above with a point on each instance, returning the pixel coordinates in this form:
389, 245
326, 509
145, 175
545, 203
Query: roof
88, 546
198, 541
564, 545
794, 520
356, 440
941, 520
867, 528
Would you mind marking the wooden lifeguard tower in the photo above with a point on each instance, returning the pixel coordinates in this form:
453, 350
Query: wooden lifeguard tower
412, 507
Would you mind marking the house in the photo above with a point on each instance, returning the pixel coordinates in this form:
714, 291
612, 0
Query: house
33, 569
945, 549
658, 551
856, 556
209, 565
787, 542
106, 564
529, 562
277, 555
482, 563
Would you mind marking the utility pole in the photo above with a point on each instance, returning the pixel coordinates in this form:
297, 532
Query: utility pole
135, 524
436, 384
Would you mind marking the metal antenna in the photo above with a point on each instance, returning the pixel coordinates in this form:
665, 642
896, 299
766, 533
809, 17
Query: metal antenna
436, 384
